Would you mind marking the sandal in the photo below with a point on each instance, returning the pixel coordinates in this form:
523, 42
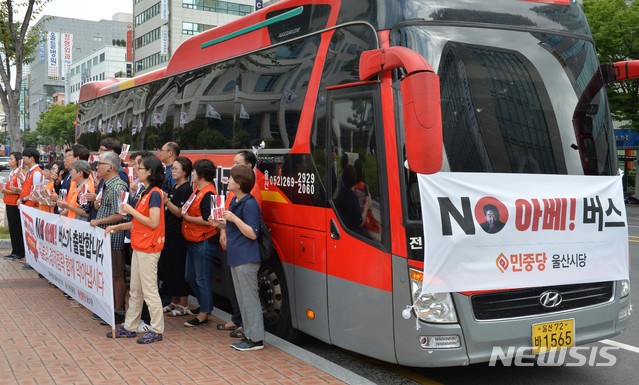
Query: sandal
237, 333
224, 327
170, 307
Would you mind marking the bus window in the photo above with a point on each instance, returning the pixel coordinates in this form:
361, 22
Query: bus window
356, 193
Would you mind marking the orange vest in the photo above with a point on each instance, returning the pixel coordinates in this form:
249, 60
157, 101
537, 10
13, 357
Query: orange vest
193, 232
144, 238
12, 199
72, 196
27, 186
44, 206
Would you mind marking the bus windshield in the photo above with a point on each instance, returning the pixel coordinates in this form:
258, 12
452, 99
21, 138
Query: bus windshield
509, 102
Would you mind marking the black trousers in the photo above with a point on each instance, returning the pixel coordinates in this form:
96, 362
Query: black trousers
15, 230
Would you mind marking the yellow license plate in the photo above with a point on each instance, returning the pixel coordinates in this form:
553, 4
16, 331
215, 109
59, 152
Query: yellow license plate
553, 335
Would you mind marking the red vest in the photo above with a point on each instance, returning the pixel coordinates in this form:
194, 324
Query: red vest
193, 232
27, 186
144, 238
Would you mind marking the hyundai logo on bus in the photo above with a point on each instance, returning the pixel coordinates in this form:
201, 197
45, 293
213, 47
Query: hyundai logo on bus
552, 214
550, 299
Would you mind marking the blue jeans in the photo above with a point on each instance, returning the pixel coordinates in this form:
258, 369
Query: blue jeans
199, 271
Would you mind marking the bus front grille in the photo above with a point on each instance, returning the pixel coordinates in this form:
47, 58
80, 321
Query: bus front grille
526, 302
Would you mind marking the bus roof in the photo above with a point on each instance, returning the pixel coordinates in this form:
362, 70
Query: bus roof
288, 19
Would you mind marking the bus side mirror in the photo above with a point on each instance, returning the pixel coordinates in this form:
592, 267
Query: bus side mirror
620, 71
422, 122
421, 103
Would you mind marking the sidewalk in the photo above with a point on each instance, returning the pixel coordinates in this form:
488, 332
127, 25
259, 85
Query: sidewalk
43, 340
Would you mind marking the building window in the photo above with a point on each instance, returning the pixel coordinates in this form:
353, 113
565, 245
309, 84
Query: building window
102, 57
148, 14
97, 38
194, 28
150, 61
218, 6
147, 38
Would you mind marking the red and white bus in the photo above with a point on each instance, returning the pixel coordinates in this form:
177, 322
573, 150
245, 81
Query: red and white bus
345, 94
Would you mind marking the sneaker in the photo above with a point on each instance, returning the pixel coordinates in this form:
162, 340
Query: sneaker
143, 327
150, 337
121, 332
247, 344
238, 342
96, 317
196, 322
26, 266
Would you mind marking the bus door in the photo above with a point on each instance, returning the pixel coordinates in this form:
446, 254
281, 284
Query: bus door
358, 257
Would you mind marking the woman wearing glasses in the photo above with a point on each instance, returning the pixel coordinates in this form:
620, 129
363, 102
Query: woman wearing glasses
147, 242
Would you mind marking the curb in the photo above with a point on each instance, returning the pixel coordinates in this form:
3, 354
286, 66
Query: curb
322, 364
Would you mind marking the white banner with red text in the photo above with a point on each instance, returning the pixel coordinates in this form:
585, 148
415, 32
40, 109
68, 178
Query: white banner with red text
73, 256
488, 231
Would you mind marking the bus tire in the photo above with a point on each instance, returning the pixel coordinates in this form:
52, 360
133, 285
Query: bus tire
273, 292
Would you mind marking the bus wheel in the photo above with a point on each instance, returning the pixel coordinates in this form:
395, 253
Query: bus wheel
275, 301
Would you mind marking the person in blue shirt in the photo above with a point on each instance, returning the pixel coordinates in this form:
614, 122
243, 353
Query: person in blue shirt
243, 255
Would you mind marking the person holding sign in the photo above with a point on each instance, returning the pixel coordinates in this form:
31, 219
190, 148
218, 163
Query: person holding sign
147, 242
173, 257
77, 207
246, 159
243, 255
11, 191
30, 158
107, 214
201, 239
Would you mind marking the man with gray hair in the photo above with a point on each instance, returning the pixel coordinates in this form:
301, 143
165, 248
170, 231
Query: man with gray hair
108, 203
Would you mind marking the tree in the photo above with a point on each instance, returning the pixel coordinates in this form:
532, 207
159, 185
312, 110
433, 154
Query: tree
56, 125
17, 46
615, 28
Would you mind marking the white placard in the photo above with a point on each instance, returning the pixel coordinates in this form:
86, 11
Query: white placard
73, 256
487, 231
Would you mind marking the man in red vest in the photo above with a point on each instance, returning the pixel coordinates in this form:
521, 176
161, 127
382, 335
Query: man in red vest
30, 158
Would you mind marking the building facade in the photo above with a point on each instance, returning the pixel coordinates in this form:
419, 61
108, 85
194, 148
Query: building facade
160, 26
107, 62
65, 40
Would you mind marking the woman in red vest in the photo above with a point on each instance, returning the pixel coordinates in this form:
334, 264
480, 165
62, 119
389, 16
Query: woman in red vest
147, 242
11, 191
201, 238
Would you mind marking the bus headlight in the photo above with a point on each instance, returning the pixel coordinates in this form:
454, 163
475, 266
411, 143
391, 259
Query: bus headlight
431, 307
625, 288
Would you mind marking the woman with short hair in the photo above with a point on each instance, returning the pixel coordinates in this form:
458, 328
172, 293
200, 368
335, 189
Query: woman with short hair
76, 207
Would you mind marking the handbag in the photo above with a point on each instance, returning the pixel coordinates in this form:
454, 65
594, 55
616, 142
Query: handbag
265, 241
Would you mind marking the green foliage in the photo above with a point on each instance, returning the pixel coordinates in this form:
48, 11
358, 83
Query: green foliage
18, 44
56, 124
90, 140
615, 28
31, 139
